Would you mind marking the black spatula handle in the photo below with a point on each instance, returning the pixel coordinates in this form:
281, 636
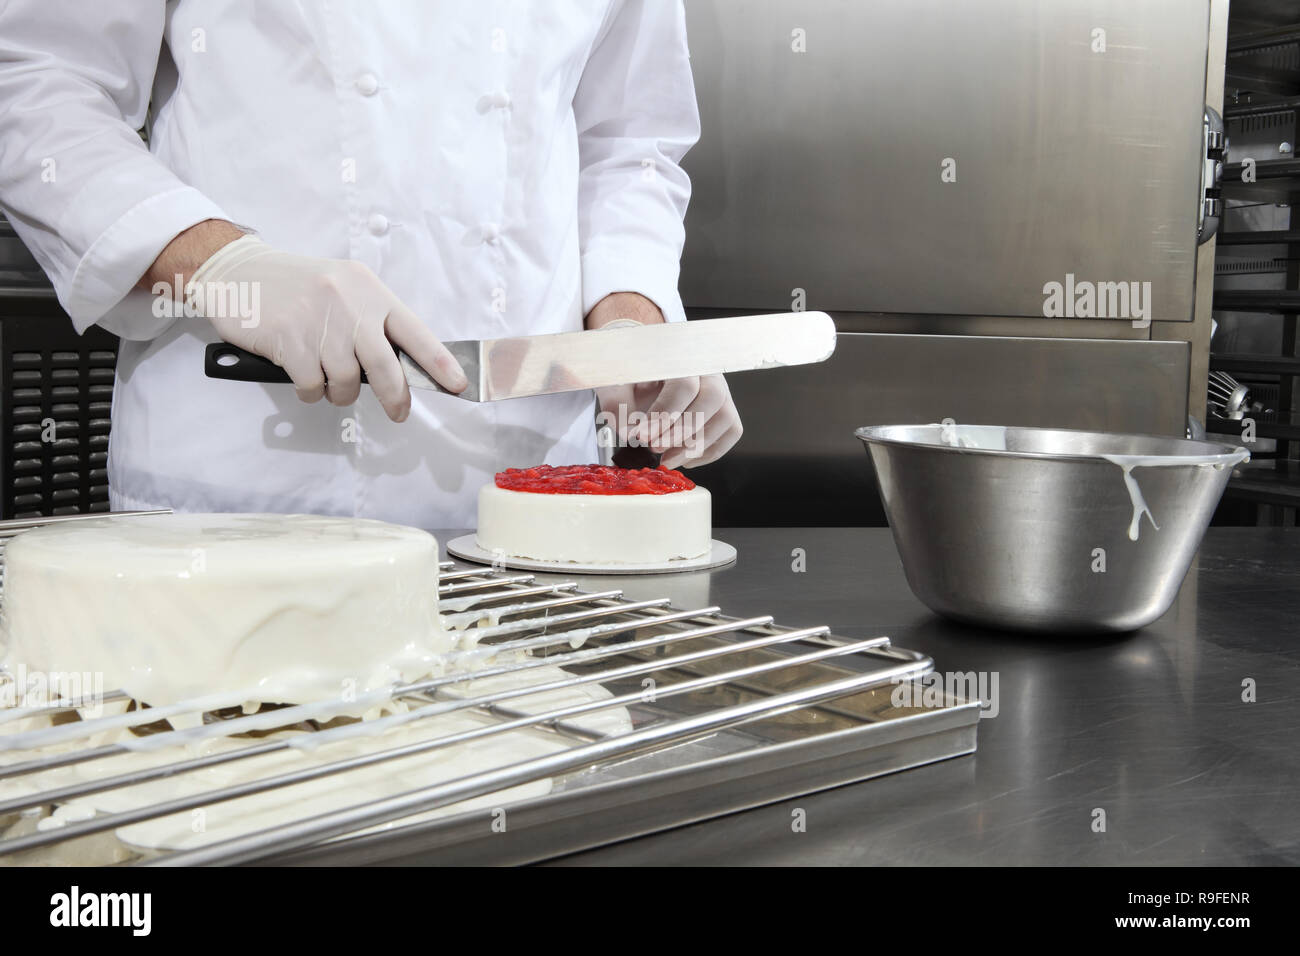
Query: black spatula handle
223, 360
230, 362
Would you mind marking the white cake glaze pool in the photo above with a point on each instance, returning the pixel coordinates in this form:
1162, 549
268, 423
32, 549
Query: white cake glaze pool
595, 529
223, 820
229, 608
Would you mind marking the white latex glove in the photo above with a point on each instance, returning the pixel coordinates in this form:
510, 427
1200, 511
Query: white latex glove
690, 421
321, 320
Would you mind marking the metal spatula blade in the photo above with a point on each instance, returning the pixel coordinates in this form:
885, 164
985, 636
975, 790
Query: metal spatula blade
526, 365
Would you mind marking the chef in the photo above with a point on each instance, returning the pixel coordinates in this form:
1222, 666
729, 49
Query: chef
357, 174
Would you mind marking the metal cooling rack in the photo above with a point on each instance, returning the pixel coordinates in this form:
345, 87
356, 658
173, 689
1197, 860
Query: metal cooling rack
784, 710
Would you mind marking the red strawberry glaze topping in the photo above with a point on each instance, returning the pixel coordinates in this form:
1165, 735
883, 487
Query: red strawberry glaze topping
593, 480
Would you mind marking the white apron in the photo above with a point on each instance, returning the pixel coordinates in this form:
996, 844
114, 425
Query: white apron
500, 165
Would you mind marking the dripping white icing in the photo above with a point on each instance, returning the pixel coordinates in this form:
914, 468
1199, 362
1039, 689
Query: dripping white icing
1127, 463
1140, 506
397, 729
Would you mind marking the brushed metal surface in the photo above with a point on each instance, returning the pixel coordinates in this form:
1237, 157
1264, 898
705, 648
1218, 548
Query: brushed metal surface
820, 170
540, 364
1033, 529
526, 365
1151, 726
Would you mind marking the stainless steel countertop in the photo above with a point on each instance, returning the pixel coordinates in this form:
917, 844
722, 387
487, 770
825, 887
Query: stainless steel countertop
1149, 727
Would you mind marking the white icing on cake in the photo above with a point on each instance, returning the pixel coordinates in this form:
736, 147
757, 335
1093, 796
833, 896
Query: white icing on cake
232, 608
595, 529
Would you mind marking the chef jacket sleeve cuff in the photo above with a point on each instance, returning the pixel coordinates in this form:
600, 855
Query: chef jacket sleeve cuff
103, 287
608, 270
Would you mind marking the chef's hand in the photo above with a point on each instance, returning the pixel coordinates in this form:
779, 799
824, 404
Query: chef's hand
690, 421
321, 320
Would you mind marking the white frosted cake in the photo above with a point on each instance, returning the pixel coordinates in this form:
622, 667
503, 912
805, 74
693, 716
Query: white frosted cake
253, 608
594, 514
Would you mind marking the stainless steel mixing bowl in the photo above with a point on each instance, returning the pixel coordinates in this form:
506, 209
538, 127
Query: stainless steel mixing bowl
1032, 528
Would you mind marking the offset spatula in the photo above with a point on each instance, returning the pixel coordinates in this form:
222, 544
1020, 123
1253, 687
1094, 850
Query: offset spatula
571, 361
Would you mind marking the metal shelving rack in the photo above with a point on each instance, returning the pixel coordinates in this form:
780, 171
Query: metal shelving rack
1262, 86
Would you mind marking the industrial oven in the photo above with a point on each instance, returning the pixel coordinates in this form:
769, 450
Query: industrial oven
931, 173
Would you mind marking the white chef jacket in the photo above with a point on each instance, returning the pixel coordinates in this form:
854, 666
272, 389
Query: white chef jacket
501, 166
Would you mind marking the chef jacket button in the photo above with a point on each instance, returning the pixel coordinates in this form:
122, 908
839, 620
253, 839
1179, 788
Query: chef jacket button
377, 224
489, 231
367, 84
496, 100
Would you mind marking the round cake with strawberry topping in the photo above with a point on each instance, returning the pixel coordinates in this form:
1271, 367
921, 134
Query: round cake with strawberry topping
595, 514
